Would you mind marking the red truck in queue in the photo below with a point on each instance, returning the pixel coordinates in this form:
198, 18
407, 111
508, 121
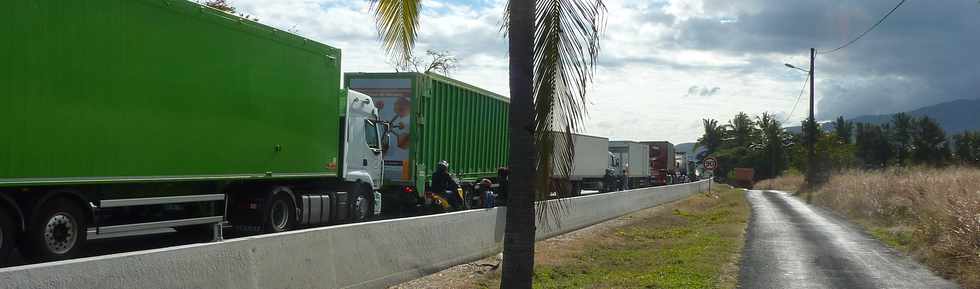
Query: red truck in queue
744, 177
662, 162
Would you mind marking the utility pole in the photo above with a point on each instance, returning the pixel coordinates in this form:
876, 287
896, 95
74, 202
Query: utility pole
812, 134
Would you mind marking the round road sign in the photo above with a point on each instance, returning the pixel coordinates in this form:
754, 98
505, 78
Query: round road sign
710, 163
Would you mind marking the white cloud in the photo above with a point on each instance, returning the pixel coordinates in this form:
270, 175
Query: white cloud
645, 74
684, 10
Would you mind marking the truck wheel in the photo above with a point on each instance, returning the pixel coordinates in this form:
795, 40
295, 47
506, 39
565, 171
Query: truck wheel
280, 214
57, 231
361, 207
8, 233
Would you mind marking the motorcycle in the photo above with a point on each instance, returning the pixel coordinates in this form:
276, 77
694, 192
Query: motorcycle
452, 199
441, 202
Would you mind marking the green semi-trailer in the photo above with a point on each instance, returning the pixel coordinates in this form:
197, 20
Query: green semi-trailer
434, 118
122, 117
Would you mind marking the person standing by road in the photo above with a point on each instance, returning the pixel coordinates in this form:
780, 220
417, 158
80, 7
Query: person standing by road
503, 185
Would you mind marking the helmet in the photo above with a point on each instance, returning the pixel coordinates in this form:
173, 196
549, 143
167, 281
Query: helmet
486, 182
443, 164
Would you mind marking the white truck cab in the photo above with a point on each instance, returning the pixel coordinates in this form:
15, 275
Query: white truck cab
363, 141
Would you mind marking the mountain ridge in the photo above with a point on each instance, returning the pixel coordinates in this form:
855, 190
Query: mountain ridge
953, 116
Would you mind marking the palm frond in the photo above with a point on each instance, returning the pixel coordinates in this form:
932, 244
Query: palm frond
398, 26
566, 47
505, 25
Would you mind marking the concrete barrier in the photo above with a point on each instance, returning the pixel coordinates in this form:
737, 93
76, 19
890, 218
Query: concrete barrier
364, 255
584, 211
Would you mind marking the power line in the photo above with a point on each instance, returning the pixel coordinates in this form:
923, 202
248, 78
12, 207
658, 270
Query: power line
866, 31
788, 116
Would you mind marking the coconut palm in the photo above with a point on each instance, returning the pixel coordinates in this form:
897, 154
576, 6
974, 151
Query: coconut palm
712, 138
743, 129
553, 46
773, 141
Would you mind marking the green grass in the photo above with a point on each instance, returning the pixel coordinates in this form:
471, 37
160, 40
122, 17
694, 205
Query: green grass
897, 238
685, 247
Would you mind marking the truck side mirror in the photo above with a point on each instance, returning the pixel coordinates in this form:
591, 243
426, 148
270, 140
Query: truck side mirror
387, 128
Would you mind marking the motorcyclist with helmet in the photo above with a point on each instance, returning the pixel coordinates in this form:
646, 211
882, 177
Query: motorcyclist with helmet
444, 184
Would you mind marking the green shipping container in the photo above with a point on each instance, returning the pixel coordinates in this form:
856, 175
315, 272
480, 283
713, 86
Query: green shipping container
125, 90
436, 118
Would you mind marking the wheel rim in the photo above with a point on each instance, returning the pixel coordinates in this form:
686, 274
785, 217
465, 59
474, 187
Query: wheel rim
59, 233
280, 214
362, 208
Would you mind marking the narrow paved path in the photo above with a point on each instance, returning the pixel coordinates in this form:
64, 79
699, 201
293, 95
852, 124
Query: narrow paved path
793, 245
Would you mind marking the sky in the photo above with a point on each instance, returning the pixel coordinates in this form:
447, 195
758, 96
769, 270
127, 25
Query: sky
667, 64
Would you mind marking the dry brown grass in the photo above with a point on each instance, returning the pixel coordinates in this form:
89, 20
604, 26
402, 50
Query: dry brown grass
932, 214
789, 183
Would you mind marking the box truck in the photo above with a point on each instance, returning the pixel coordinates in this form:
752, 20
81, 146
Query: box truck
682, 165
589, 165
123, 117
744, 177
662, 162
433, 118
633, 163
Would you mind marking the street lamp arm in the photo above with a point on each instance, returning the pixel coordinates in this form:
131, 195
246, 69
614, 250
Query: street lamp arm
794, 67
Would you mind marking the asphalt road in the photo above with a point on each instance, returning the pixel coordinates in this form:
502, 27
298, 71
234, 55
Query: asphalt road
793, 245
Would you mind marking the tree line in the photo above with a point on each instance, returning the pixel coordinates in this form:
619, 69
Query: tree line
762, 143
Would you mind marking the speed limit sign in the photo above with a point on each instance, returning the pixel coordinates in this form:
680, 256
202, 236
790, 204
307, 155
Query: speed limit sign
710, 163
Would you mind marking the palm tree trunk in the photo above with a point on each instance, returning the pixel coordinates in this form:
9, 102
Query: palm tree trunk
518, 263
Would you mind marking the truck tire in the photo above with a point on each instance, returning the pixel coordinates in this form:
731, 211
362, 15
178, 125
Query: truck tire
280, 213
361, 206
57, 231
8, 233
